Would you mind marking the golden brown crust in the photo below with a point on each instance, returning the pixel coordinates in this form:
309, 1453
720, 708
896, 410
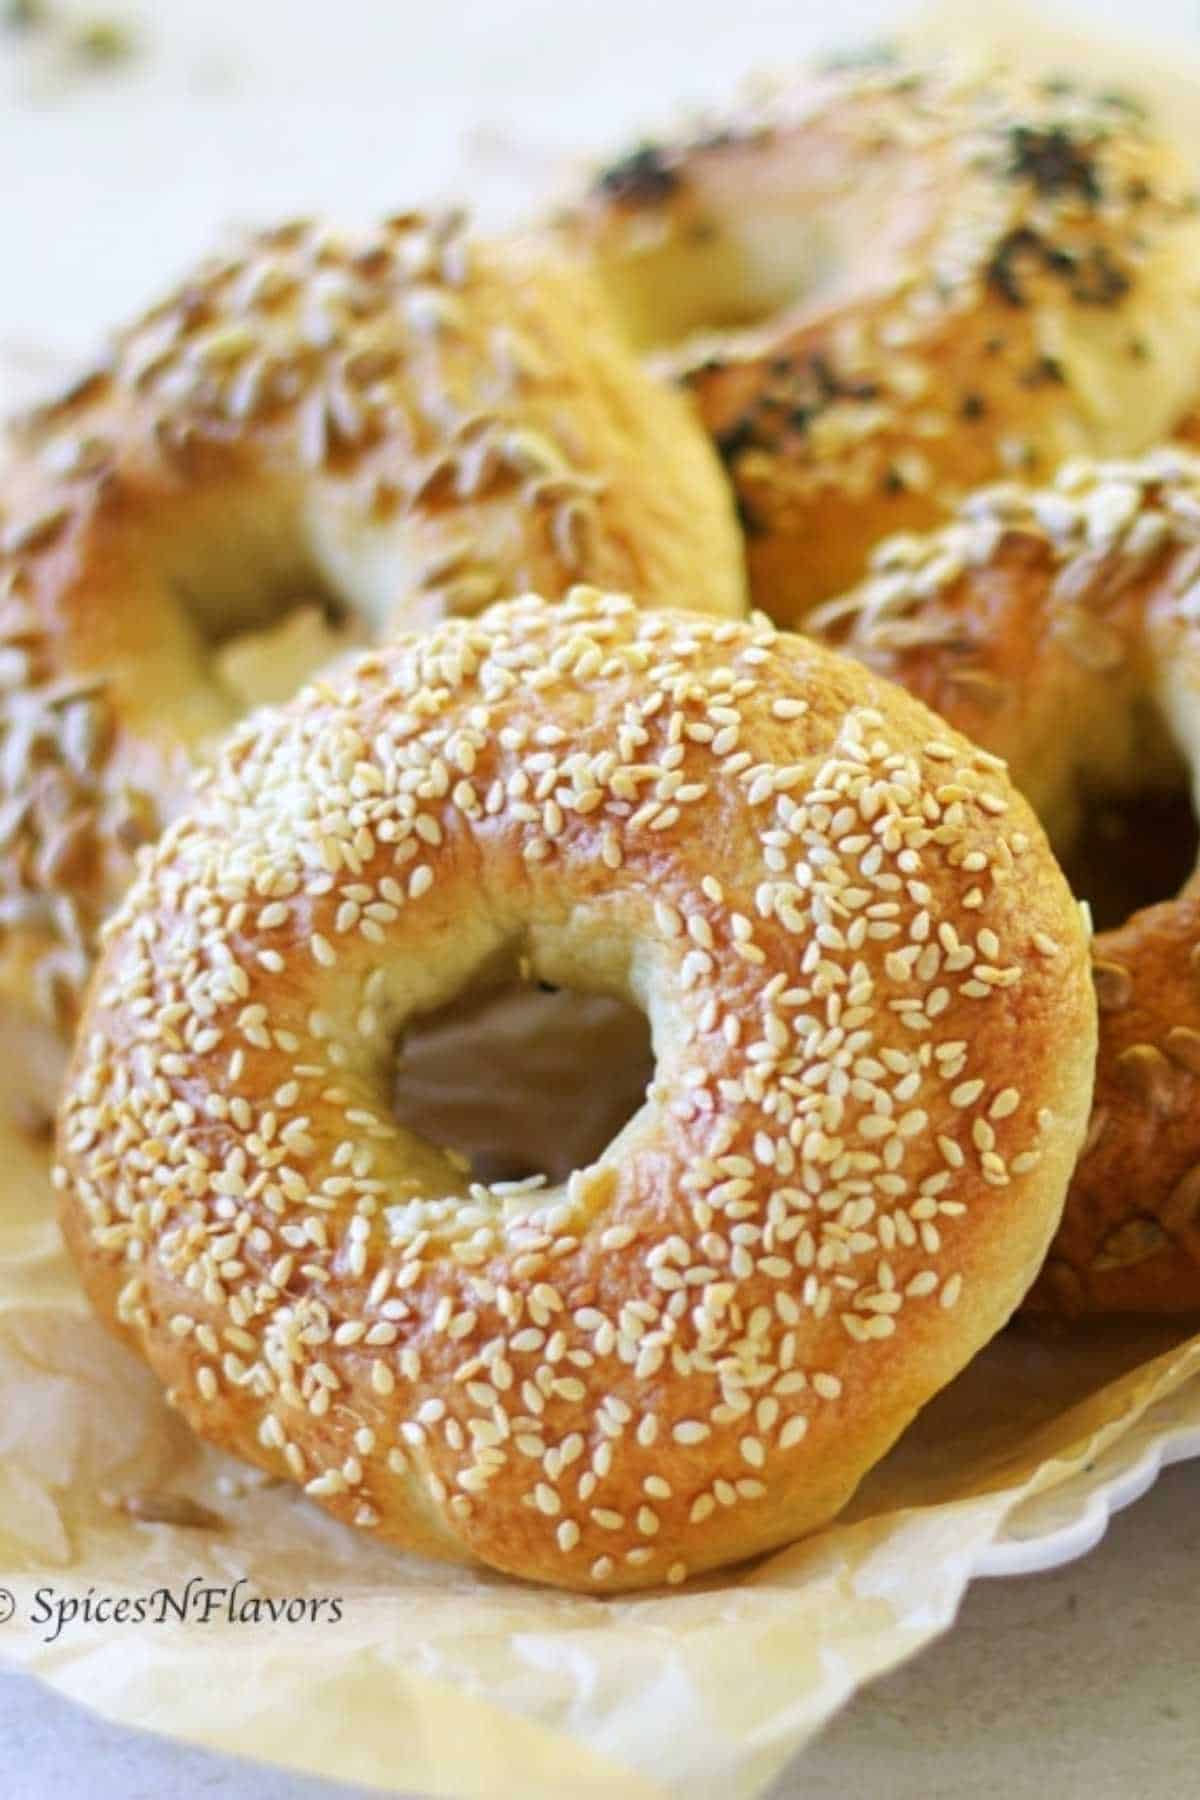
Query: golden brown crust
1058, 627
874, 1030
886, 286
409, 424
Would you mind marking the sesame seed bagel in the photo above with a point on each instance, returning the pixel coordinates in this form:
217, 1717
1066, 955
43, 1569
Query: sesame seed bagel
1058, 627
404, 425
886, 285
874, 1032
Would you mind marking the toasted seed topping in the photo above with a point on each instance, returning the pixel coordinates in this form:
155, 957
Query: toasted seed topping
1102, 567
1147, 1073
1114, 985
1051, 223
227, 1144
414, 380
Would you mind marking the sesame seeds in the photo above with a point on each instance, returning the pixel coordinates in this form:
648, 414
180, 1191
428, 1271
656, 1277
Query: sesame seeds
1098, 529
1100, 568
611, 1363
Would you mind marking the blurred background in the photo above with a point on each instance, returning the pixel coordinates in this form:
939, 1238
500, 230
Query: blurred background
132, 131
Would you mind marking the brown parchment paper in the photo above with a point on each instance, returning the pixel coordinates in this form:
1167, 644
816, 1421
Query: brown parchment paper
439, 1681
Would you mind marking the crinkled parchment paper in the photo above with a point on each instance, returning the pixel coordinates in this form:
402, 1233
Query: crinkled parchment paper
446, 1682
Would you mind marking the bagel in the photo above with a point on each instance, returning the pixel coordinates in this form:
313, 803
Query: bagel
404, 424
885, 286
1058, 627
874, 1032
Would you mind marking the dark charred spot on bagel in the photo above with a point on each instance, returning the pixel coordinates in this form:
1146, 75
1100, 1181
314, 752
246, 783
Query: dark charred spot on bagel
1043, 371
739, 436
645, 177
972, 407
333, 610
1001, 273
823, 376
799, 391
1095, 279
1100, 280
815, 384
893, 481
864, 391
711, 365
1053, 162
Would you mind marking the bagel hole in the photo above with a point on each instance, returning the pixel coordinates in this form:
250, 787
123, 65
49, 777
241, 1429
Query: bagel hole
524, 1079
1132, 849
713, 280
736, 248
269, 661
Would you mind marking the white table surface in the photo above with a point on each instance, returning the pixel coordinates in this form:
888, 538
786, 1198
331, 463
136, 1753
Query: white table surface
1081, 1682
1075, 1685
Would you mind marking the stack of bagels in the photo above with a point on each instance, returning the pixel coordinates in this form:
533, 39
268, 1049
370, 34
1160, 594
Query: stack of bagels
732, 596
